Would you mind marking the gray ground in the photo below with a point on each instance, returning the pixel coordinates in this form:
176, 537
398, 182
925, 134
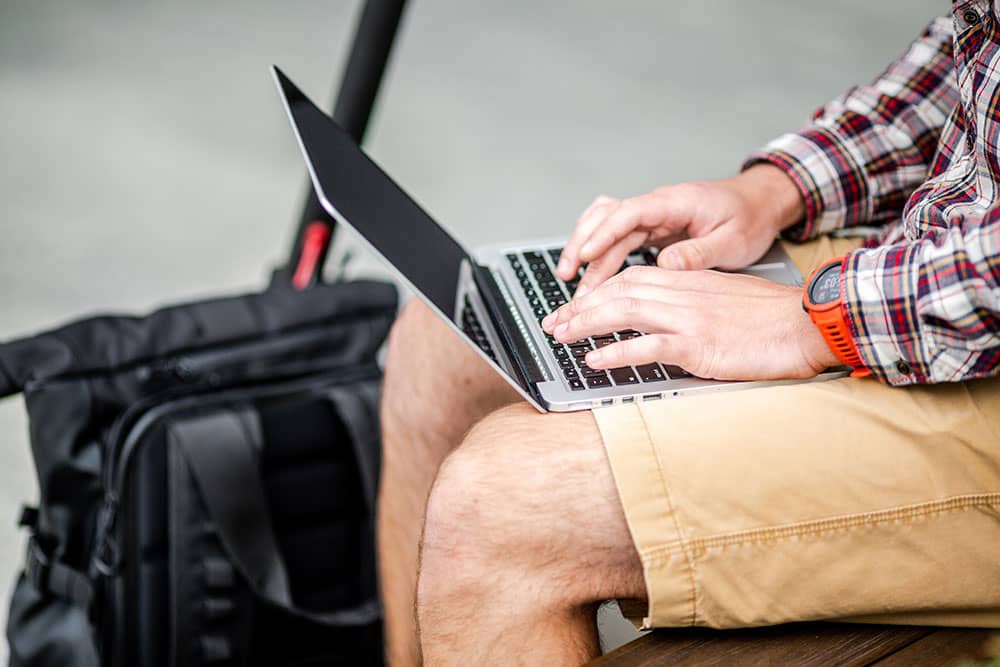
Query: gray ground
145, 158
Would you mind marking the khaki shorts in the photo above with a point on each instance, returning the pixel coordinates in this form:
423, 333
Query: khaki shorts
843, 500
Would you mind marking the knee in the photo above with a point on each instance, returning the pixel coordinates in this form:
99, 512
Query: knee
478, 515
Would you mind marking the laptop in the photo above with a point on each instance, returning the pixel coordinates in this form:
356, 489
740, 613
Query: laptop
495, 297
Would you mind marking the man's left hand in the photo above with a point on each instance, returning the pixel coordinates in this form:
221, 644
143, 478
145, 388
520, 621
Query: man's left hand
715, 325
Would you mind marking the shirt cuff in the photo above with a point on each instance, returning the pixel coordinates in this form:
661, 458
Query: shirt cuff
879, 297
828, 177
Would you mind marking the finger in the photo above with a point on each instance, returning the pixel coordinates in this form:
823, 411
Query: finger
569, 259
614, 291
668, 211
696, 253
705, 281
666, 348
609, 263
615, 315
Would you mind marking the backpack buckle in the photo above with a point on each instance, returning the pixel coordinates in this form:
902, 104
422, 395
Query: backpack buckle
37, 565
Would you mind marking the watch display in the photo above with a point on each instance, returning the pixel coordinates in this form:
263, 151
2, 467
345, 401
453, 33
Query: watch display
825, 287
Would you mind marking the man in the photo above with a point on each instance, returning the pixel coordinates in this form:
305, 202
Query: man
871, 498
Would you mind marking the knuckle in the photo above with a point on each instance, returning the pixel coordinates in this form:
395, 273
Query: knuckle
635, 274
693, 255
613, 352
662, 348
628, 305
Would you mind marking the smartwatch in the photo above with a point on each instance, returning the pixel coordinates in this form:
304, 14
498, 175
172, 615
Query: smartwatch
823, 303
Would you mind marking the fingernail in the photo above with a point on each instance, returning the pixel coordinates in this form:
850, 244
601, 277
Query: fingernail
548, 321
673, 262
560, 330
580, 291
594, 357
563, 266
585, 250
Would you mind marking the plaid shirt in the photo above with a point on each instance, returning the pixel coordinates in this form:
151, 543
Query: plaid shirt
916, 154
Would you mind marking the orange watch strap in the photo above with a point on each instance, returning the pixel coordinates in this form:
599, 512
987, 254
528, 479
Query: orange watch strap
829, 319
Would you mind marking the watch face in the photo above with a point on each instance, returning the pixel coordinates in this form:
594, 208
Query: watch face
825, 287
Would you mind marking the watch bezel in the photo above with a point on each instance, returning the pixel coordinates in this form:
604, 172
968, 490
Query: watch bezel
821, 273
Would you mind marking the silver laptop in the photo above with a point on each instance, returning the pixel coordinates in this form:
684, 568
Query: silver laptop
496, 297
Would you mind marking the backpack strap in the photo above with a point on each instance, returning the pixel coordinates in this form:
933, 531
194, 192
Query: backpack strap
51, 577
222, 452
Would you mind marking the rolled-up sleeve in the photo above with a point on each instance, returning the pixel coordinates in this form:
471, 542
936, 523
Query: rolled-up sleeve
928, 311
862, 155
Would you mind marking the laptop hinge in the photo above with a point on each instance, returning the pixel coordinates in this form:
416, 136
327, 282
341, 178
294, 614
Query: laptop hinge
514, 342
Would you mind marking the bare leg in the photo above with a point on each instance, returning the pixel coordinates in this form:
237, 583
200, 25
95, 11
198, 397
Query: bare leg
435, 389
524, 536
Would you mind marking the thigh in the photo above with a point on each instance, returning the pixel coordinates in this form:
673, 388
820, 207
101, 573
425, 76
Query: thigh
436, 387
814, 501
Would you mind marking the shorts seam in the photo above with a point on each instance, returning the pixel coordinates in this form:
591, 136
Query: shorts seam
688, 553
816, 527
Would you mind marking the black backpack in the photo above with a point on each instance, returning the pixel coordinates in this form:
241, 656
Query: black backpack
207, 478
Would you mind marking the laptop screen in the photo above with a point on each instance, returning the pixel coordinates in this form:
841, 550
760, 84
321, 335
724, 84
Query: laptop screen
357, 191
354, 190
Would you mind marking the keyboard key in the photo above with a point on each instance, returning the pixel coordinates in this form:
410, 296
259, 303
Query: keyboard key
580, 352
676, 372
560, 353
553, 343
599, 381
588, 372
576, 384
570, 373
556, 303
550, 284
651, 373
628, 335
544, 276
565, 363
604, 341
624, 375
533, 255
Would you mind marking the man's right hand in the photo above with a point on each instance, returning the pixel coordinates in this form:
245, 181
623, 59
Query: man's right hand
725, 224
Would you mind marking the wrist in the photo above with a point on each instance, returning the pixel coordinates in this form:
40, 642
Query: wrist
773, 193
815, 349
822, 301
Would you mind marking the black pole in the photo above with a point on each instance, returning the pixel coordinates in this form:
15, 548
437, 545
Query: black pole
359, 86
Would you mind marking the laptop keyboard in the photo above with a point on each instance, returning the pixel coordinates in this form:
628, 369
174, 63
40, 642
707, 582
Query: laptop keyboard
474, 330
545, 293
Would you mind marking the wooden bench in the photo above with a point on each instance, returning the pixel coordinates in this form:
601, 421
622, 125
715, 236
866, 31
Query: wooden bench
825, 644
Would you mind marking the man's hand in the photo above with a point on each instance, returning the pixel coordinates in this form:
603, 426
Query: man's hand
715, 325
727, 224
